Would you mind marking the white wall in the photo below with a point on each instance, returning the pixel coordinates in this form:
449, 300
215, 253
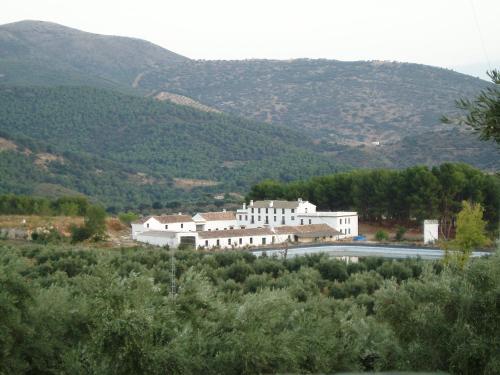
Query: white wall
245, 241
276, 216
136, 229
431, 231
220, 225
153, 224
347, 224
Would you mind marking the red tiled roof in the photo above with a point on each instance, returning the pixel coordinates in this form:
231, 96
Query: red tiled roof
218, 216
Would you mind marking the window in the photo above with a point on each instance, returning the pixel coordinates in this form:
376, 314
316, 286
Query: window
258, 210
282, 220
293, 218
267, 219
310, 221
229, 241
274, 239
349, 220
340, 221
293, 210
241, 241
241, 217
253, 220
206, 243
147, 225
275, 219
182, 225
252, 210
263, 240
283, 211
251, 239
267, 210
349, 230
166, 226
258, 218
246, 217
231, 227
301, 221
275, 211
218, 243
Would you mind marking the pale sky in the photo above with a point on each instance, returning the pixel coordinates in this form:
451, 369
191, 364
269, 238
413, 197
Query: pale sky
435, 32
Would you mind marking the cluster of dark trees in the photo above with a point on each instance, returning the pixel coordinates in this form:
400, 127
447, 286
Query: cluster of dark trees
405, 196
27, 205
82, 311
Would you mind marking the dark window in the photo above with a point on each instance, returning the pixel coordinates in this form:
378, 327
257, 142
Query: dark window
246, 217
241, 241
206, 243
147, 225
258, 218
166, 226
182, 225
282, 220
218, 243
251, 239
275, 218
253, 220
252, 210
263, 240
340, 221
267, 210
293, 218
275, 211
301, 221
229, 241
293, 210
267, 219
283, 211
258, 210
241, 217
310, 221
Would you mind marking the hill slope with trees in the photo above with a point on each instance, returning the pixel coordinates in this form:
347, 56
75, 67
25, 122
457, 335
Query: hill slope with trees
124, 149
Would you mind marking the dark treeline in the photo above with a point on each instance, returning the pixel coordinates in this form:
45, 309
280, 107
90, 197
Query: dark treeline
407, 195
90, 311
26, 205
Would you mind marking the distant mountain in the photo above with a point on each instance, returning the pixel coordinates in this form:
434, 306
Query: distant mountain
128, 150
36, 52
345, 107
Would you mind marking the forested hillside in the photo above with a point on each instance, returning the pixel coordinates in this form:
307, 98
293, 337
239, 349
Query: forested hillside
127, 150
80, 311
343, 105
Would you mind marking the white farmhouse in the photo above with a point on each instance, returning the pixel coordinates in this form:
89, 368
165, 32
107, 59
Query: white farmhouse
209, 221
261, 223
276, 213
171, 223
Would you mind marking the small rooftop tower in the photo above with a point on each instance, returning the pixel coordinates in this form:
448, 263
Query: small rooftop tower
431, 231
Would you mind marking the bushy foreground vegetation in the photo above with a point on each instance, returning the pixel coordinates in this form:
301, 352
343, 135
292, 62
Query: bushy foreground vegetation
82, 311
412, 194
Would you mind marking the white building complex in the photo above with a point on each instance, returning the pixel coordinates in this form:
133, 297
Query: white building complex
260, 223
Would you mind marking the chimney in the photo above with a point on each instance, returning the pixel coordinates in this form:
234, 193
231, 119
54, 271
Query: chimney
271, 203
180, 213
223, 210
244, 205
299, 200
251, 202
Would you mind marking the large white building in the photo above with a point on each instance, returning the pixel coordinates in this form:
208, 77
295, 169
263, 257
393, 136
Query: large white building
260, 223
276, 213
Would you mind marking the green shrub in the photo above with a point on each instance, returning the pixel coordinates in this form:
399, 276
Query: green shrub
381, 235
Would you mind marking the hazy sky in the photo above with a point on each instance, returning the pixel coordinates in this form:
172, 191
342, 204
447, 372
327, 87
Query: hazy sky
435, 32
